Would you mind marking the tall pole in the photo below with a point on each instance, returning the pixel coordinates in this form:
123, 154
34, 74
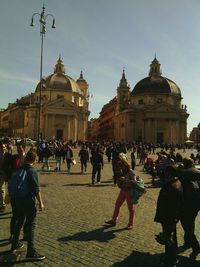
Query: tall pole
42, 21
40, 97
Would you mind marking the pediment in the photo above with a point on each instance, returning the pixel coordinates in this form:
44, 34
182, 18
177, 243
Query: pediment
162, 108
60, 103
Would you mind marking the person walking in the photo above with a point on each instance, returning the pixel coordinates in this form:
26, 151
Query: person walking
17, 162
97, 164
190, 179
168, 212
127, 180
116, 168
84, 158
133, 159
25, 206
58, 155
5, 172
47, 153
69, 156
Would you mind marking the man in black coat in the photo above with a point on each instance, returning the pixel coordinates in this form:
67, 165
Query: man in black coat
168, 213
97, 164
5, 173
190, 179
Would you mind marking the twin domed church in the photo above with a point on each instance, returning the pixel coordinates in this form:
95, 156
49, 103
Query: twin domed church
59, 109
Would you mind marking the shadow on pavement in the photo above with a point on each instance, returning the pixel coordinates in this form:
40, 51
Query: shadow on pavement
99, 235
145, 259
140, 259
4, 242
102, 184
5, 213
186, 262
86, 184
11, 259
6, 217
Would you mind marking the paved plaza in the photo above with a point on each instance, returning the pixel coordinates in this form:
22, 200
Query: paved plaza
71, 230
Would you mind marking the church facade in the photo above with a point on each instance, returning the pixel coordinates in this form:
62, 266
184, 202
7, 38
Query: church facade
152, 111
58, 109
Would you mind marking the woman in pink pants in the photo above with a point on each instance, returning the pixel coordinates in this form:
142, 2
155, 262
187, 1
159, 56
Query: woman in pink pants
127, 180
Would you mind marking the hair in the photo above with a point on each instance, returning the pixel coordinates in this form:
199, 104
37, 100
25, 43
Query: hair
170, 169
188, 163
30, 156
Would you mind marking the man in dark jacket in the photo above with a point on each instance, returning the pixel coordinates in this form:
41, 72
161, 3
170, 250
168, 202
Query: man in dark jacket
5, 172
97, 164
168, 213
84, 157
25, 207
190, 179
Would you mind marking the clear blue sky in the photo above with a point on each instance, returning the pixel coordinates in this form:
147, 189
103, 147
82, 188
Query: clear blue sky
101, 37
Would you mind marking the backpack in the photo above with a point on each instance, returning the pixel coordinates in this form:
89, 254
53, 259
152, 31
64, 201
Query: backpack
137, 190
18, 184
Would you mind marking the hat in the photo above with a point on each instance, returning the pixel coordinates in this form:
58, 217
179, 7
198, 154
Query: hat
124, 159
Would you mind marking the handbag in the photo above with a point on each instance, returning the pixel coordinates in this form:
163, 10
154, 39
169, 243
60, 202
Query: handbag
137, 190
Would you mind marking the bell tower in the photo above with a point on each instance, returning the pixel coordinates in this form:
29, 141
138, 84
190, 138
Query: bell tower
123, 93
83, 85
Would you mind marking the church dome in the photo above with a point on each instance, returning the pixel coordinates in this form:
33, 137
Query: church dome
156, 84
59, 80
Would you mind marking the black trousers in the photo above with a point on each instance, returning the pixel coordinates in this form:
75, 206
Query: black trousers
188, 223
83, 165
169, 231
96, 168
24, 208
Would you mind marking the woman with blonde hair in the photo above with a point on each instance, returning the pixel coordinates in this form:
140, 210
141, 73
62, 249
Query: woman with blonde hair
125, 182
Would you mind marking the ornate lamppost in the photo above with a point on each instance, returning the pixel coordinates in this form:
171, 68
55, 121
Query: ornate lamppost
42, 21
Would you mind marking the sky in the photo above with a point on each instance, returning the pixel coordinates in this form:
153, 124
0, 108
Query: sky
101, 38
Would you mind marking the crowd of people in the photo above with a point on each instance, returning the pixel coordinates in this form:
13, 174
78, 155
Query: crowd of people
178, 199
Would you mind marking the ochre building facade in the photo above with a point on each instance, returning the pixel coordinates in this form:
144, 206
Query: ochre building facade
58, 109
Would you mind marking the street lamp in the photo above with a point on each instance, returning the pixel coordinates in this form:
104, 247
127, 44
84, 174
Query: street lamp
42, 21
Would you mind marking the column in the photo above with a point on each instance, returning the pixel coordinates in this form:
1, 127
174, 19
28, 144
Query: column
177, 133
75, 129
170, 131
155, 131
45, 127
53, 126
69, 127
143, 130
149, 132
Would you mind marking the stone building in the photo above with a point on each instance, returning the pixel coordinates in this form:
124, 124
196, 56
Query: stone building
106, 123
195, 134
63, 113
152, 111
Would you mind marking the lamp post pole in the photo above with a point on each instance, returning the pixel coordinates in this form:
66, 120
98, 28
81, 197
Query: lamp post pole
42, 21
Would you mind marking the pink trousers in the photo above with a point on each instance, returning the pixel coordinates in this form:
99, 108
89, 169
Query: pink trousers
124, 195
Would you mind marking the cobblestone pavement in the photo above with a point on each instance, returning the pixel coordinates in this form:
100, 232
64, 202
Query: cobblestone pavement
71, 231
